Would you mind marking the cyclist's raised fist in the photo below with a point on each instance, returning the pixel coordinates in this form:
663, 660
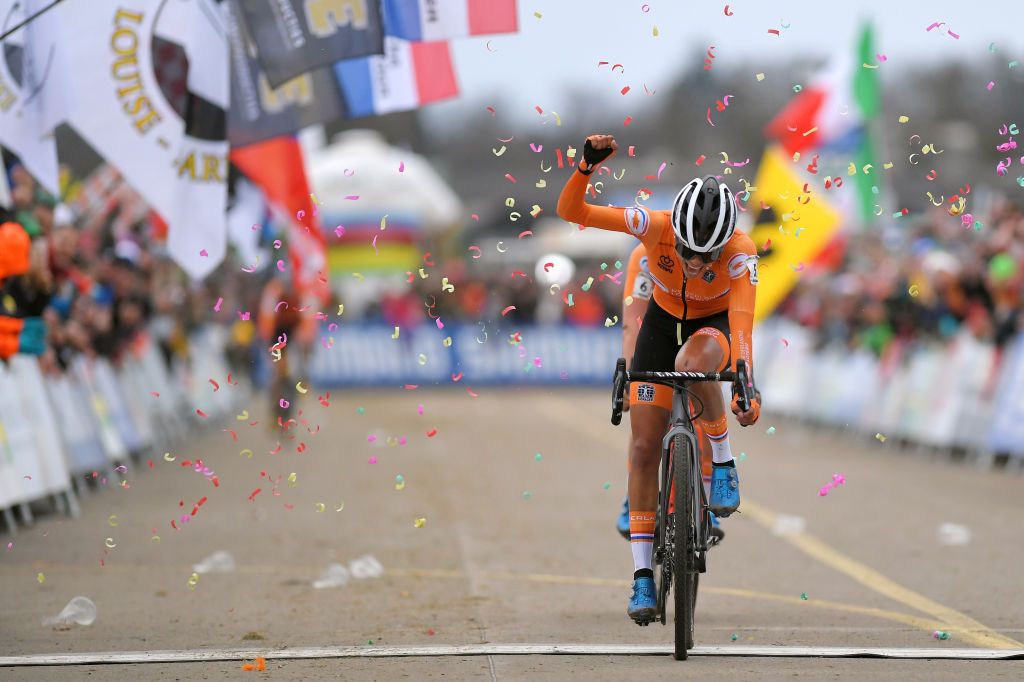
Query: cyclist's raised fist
596, 149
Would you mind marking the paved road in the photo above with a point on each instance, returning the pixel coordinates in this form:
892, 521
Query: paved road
515, 549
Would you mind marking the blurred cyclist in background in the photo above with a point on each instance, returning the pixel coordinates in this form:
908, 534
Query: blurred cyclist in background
286, 331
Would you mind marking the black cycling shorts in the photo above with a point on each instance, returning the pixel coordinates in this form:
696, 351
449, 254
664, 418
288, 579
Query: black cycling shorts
662, 335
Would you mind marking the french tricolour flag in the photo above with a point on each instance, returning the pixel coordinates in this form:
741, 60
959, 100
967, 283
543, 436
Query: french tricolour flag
407, 76
426, 20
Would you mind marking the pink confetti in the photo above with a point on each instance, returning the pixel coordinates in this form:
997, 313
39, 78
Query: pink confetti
419, 409
700, 159
457, 377
371, 439
411, 387
785, 343
216, 307
774, 31
472, 393
508, 176
371, 460
216, 386
492, 110
536, 148
204, 253
280, 265
439, 323
401, 166
201, 413
431, 433
507, 310
991, 84
624, 90
629, 119
352, 197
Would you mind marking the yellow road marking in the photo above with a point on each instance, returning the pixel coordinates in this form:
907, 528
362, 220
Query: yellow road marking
963, 625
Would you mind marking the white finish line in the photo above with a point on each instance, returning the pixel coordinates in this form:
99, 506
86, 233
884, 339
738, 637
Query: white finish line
199, 655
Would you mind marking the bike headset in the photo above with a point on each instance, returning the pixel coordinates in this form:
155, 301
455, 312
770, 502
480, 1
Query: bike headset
703, 218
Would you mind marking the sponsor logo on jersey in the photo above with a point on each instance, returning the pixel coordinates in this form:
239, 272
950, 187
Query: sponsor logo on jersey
643, 287
752, 269
637, 221
665, 262
645, 393
709, 276
737, 264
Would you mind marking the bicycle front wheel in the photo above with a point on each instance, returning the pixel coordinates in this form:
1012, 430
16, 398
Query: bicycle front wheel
684, 564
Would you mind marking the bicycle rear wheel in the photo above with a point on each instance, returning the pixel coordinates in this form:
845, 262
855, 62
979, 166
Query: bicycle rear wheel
684, 565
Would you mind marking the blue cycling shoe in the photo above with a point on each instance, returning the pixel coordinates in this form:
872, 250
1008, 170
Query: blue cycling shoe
725, 490
643, 605
715, 533
622, 523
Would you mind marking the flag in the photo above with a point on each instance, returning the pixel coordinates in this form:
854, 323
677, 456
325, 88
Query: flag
277, 168
790, 234
834, 113
296, 36
149, 92
22, 124
430, 20
259, 112
407, 76
246, 217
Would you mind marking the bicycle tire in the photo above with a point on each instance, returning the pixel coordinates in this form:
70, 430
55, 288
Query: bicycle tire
663, 538
684, 567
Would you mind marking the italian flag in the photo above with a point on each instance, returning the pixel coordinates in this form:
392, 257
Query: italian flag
834, 114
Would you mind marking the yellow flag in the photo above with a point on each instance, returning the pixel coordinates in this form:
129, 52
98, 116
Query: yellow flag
799, 226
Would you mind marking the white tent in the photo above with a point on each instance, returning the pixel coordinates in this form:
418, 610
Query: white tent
388, 181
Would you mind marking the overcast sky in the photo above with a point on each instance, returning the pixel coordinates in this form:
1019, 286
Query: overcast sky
564, 45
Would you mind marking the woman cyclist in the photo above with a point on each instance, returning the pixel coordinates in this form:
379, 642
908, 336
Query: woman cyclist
700, 319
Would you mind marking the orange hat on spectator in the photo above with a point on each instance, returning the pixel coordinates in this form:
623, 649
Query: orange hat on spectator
15, 245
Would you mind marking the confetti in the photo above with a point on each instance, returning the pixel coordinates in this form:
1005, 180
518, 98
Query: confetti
803, 595
419, 522
880, 438
733, 637
526, 496
770, 431
940, 634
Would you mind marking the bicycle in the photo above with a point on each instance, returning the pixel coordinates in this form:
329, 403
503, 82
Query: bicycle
681, 532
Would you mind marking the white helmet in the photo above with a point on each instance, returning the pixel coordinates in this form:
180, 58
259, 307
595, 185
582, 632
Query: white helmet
703, 218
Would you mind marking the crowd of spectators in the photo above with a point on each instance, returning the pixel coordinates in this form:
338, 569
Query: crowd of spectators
93, 283
920, 281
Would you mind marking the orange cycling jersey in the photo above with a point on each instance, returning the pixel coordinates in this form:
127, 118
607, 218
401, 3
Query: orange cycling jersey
729, 284
639, 284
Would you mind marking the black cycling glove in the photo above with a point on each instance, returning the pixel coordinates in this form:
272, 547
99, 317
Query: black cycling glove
593, 157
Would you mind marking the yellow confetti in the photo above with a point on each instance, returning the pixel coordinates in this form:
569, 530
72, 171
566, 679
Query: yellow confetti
510, 202
109, 542
418, 523
655, 31
515, 215
904, 119
193, 580
242, 417
537, 14
608, 322
542, 183
887, 165
629, 300
320, 506
679, 334
759, 76
245, 453
423, 275
447, 286
447, 342
498, 152
421, 358
341, 309
880, 437
41, 578
397, 332
558, 119
155, 538
535, 211
112, 520
914, 291
359, 276
341, 505
384, 222
168, 457
301, 389
400, 485
293, 478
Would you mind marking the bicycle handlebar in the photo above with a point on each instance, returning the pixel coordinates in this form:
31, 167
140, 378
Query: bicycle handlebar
678, 380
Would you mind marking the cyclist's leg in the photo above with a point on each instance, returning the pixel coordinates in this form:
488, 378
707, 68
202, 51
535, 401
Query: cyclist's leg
708, 351
656, 348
